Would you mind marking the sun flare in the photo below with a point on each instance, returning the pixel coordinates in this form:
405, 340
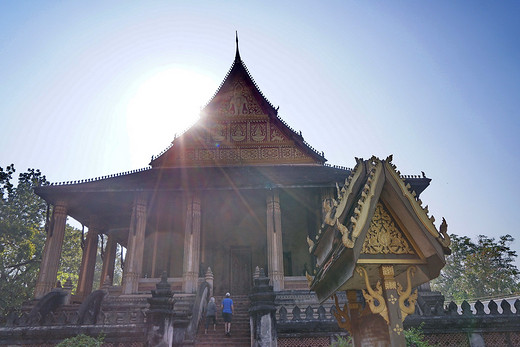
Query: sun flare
164, 104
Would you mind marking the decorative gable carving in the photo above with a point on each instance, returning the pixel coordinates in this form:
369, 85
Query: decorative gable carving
384, 236
238, 100
238, 127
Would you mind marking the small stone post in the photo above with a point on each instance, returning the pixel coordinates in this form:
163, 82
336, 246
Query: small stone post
209, 278
262, 313
67, 287
160, 315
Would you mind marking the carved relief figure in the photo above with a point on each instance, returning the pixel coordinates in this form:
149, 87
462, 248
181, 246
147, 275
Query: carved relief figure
219, 132
276, 135
258, 131
238, 103
238, 131
384, 237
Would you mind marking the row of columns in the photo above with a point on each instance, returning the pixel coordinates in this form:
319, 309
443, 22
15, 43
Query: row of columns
53, 247
135, 248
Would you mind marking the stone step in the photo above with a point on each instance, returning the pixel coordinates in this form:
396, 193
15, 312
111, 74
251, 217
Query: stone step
240, 331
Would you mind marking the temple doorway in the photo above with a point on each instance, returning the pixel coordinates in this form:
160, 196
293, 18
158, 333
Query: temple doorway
240, 270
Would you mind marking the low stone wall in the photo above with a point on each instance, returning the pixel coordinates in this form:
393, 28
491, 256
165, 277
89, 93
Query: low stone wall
299, 315
122, 321
469, 325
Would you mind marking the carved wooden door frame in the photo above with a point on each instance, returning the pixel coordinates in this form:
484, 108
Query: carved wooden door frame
240, 273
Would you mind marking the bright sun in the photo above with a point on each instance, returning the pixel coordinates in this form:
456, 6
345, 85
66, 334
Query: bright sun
164, 104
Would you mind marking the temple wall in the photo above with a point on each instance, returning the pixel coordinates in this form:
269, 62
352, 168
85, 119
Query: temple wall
298, 220
232, 220
164, 242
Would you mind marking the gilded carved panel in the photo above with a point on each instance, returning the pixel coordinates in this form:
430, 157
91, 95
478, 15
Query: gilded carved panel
286, 152
249, 153
218, 132
276, 135
207, 154
270, 153
384, 236
298, 154
258, 131
229, 154
238, 131
237, 101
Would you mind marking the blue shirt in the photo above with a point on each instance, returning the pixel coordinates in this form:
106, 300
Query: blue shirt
227, 303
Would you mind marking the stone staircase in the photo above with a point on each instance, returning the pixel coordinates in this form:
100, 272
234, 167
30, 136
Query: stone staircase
240, 331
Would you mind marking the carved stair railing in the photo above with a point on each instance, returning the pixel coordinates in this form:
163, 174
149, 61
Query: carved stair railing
199, 307
47, 304
90, 308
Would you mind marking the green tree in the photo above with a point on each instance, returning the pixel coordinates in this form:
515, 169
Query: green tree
480, 269
22, 236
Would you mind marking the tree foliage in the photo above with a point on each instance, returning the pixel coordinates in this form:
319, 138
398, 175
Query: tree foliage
415, 338
22, 237
485, 268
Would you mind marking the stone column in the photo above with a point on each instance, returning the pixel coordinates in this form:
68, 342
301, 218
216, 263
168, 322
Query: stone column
88, 261
190, 272
134, 252
52, 251
154, 253
109, 260
274, 241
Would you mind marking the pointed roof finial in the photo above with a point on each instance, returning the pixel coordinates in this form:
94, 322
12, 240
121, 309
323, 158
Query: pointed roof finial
237, 54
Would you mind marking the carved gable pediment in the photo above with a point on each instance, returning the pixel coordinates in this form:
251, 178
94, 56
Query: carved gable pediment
387, 241
238, 127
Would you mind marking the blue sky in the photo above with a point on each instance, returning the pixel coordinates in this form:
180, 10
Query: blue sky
95, 88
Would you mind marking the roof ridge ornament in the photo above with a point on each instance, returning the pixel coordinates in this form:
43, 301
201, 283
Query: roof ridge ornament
237, 54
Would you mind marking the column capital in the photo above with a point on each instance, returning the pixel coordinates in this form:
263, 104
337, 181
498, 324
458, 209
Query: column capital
141, 198
60, 208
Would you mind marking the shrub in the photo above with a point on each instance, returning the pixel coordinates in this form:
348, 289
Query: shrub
82, 340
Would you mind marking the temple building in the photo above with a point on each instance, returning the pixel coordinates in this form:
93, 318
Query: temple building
238, 190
